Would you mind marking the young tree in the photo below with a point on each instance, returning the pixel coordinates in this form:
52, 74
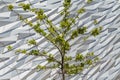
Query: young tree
60, 38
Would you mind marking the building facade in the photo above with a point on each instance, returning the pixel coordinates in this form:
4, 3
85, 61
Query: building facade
107, 45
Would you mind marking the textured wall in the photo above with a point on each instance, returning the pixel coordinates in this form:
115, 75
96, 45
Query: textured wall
106, 45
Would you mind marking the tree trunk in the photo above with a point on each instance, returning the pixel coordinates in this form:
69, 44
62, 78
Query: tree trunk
62, 68
63, 75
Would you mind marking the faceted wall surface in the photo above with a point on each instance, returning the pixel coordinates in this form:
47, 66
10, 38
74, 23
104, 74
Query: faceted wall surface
107, 45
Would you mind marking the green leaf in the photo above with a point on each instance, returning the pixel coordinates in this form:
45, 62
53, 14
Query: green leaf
39, 67
74, 34
79, 57
59, 40
10, 7
65, 23
18, 51
24, 51
32, 42
40, 14
37, 28
20, 17
90, 54
82, 30
66, 3
34, 52
96, 59
24, 6
55, 65
33, 9
50, 58
89, 62
67, 46
95, 22
9, 47
81, 10
96, 31
67, 58
82, 64
30, 23
89, 1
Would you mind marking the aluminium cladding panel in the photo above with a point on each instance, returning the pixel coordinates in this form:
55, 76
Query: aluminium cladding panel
106, 45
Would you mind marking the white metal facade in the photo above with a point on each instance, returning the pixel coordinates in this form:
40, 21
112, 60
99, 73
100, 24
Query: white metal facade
106, 45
